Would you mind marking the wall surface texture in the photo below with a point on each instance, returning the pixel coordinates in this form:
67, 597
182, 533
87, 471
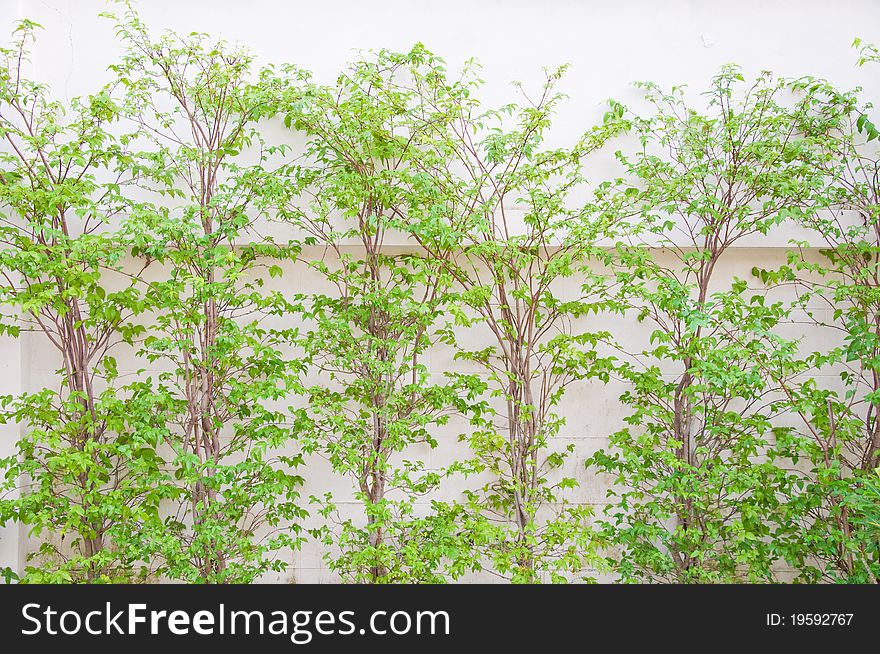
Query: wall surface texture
607, 44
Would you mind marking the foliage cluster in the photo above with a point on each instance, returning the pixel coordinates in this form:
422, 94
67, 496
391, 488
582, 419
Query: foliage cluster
197, 384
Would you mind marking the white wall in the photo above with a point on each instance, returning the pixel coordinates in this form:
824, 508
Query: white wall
608, 44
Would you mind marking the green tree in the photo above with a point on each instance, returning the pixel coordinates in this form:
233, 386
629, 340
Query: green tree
508, 230
699, 480
837, 394
83, 466
377, 406
231, 480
